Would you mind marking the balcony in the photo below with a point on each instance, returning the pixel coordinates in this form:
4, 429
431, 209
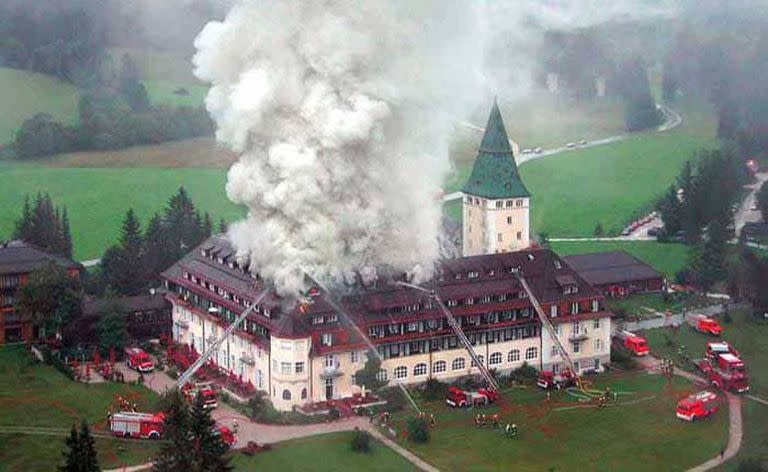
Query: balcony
331, 371
577, 337
246, 358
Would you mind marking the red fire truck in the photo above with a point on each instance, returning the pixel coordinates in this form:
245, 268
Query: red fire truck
548, 379
138, 360
206, 390
632, 342
137, 425
714, 349
708, 325
459, 398
698, 405
726, 371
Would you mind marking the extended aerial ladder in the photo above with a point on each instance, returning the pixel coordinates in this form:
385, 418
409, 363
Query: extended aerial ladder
187, 375
454, 324
550, 329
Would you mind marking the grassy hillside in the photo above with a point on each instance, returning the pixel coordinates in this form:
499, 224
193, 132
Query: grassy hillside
170, 93
576, 190
26, 94
97, 199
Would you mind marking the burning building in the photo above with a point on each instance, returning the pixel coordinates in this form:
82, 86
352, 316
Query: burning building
308, 353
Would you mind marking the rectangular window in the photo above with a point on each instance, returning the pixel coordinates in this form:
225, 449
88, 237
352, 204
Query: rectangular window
508, 204
574, 308
519, 203
500, 237
596, 323
519, 235
555, 351
597, 364
553, 311
598, 345
509, 220
299, 367
330, 361
499, 204
595, 307
353, 357
576, 328
576, 347
285, 368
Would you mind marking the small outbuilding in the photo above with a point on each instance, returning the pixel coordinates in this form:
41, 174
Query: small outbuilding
616, 273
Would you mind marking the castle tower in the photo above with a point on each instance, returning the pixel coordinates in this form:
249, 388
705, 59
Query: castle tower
496, 204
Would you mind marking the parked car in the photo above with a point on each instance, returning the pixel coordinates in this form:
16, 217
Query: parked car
583, 142
655, 231
538, 150
570, 145
527, 151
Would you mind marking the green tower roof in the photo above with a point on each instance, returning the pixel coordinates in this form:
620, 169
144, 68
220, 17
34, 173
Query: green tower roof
495, 173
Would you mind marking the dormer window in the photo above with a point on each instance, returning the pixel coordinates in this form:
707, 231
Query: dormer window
451, 303
558, 266
522, 294
473, 275
491, 273
457, 276
469, 301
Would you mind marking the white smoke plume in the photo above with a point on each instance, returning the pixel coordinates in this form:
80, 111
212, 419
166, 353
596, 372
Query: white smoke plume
342, 111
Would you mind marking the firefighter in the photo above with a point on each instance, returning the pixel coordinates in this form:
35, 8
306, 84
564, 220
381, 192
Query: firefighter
477, 420
495, 423
432, 421
235, 426
549, 396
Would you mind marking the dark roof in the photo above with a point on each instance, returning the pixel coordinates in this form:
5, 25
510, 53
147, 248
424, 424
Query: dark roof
17, 257
495, 174
604, 268
755, 229
490, 275
133, 304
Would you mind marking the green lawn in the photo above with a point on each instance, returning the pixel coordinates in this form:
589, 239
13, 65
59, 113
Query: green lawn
27, 94
642, 434
576, 190
749, 337
38, 395
328, 452
97, 199
638, 304
666, 258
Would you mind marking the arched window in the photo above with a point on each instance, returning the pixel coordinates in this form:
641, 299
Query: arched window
531, 353
494, 359
514, 355
286, 394
401, 372
481, 359
458, 363
303, 393
420, 369
439, 366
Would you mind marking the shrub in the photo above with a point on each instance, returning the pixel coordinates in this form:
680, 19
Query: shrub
622, 358
334, 413
433, 389
525, 373
361, 441
258, 406
395, 398
418, 430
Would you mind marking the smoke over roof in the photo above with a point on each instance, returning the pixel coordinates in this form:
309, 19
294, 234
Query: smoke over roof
342, 112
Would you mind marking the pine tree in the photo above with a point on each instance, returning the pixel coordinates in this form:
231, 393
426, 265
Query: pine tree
176, 454
65, 233
207, 226
112, 326
23, 228
181, 223
157, 248
210, 450
123, 266
89, 461
72, 453
708, 264
222, 226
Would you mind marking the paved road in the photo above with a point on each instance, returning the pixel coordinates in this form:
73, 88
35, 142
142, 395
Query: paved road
735, 423
745, 214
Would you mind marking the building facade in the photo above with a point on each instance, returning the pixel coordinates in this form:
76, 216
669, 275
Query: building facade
312, 354
617, 273
496, 204
17, 261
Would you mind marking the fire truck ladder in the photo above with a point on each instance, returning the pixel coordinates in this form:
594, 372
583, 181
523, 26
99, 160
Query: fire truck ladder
547, 325
187, 375
454, 324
